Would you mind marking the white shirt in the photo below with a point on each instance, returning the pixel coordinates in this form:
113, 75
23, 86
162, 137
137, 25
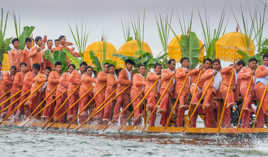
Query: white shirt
129, 74
217, 80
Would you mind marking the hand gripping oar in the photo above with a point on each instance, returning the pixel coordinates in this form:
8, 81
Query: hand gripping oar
100, 108
225, 100
199, 101
260, 105
84, 107
176, 102
244, 101
5, 101
69, 108
17, 107
35, 113
195, 89
140, 102
159, 100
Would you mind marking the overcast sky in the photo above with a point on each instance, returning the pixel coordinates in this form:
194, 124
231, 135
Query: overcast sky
51, 17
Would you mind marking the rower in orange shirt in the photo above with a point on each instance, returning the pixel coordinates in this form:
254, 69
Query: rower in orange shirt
110, 87
17, 85
226, 76
5, 85
53, 81
57, 45
49, 49
243, 79
74, 82
261, 81
87, 81
138, 85
25, 53
154, 93
196, 94
65, 44
27, 84
182, 74
35, 54
100, 83
125, 80
15, 54
62, 90
166, 75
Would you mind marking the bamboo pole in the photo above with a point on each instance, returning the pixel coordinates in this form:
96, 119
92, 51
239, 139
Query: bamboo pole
195, 89
7, 116
244, 101
159, 100
5, 101
4, 94
68, 109
176, 102
140, 102
199, 101
100, 108
33, 114
82, 110
226, 100
260, 105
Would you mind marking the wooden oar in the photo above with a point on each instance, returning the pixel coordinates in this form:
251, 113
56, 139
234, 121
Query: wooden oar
61, 106
199, 102
244, 101
5, 101
100, 108
195, 89
260, 105
176, 102
34, 114
66, 111
158, 102
84, 108
140, 102
17, 107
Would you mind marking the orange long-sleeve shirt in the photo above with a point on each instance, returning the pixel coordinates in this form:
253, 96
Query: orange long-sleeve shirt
181, 74
35, 55
18, 81
25, 57
74, 80
166, 75
150, 79
53, 80
86, 83
138, 84
14, 57
100, 81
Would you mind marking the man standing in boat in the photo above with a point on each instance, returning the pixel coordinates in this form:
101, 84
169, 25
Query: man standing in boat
15, 54
261, 81
125, 80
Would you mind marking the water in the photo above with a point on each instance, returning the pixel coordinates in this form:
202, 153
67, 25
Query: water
28, 142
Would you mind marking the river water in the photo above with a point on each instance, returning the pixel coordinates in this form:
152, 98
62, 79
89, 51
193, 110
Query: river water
29, 142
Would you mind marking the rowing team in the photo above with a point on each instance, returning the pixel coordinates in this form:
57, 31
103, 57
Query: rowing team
106, 96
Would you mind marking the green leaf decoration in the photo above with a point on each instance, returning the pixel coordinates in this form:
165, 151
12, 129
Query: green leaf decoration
74, 60
95, 61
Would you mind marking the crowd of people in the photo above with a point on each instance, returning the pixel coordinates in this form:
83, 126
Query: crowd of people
208, 88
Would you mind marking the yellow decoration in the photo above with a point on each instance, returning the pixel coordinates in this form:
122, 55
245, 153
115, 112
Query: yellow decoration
130, 48
174, 49
97, 48
228, 44
5, 62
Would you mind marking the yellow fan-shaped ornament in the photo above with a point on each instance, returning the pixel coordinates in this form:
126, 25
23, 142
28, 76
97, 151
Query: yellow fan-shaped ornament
5, 62
98, 48
174, 49
130, 48
228, 44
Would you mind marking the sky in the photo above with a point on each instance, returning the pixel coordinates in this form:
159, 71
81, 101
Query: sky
103, 17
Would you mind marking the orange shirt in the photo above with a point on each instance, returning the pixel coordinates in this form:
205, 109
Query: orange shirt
226, 76
28, 80
53, 80
150, 79
100, 81
18, 81
35, 55
14, 57
165, 78
38, 79
124, 80
25, 57
206, 77
86, 83
63, 82
74, 80
180, 75
138, 84
6, 82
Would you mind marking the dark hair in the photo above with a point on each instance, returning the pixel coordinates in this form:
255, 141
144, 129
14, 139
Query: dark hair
0, 63
89, 67
141, 65
157, 64
23, 63
37, 39
252, 60
184, 58
106, 64
111, 65
14, 40
71, 65
216, 60
28, 40
265, 56
171, 60
49, 40
57, 63
56, 40
48, 68
241, 62
83, 63
36, 66
129, 61
13, 67
62, 36
207, 59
